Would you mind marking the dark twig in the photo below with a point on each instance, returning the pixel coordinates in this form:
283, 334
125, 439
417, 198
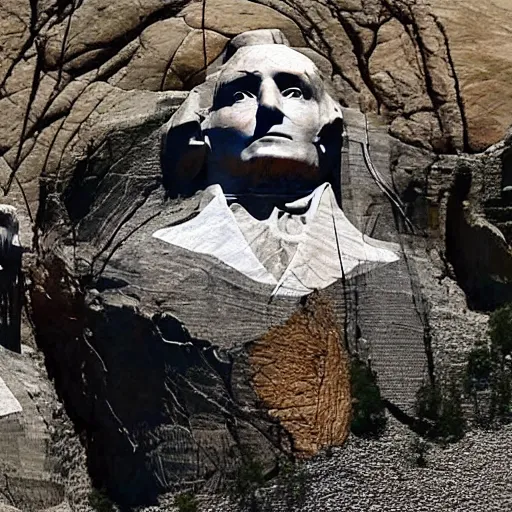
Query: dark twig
203, 21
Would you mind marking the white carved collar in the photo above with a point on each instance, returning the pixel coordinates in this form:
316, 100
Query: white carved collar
328, 248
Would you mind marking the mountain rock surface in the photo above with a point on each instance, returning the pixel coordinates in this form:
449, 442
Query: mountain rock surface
148, 373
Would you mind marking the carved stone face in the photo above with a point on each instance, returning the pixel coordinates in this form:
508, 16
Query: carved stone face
265, 121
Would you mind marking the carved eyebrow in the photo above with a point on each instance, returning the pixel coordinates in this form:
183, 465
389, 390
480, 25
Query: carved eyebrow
249, 81
286, 79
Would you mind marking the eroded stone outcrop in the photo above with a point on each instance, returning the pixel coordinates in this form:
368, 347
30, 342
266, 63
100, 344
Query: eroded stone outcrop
154, 402
189, 355
30, 477
479, 45
476, 209
307, 387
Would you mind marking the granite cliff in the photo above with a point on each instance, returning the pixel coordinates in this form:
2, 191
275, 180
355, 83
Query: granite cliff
139, 392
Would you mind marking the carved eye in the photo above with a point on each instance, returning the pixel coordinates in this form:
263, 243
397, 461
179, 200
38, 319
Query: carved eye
293, 92
242, 96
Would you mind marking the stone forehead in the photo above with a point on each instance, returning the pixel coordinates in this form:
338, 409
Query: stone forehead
266, 58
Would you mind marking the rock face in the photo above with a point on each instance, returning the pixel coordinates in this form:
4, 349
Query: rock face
142, 321
163, 370
479, 45
311, 397
199, 348
475, 211
30, 476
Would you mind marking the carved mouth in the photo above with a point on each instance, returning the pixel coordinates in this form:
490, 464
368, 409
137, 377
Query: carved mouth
277, 134
271, 135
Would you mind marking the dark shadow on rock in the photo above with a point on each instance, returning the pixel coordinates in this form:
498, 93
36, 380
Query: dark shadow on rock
478, 251
154, 406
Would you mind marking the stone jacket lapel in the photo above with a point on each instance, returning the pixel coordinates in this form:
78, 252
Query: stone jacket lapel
329, 248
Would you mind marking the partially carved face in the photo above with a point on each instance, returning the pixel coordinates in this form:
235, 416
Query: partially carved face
265, 121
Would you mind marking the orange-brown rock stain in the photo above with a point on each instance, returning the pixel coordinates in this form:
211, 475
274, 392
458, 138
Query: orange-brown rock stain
301, 373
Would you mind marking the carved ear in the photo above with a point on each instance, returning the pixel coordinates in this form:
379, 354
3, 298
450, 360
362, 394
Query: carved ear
331, 110
183, 156
330, 136
330, 141
183, 149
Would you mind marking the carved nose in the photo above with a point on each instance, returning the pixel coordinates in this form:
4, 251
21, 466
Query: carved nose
270, 96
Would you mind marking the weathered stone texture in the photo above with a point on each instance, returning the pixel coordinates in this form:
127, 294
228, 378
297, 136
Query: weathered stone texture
232, 17
96, 27
83, 94
14, 32
478, 36
301, 372
150, 65
30, 475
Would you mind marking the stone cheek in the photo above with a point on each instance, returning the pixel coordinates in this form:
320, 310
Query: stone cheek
301, 373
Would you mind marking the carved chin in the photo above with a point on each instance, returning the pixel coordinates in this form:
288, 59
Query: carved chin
277, 157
